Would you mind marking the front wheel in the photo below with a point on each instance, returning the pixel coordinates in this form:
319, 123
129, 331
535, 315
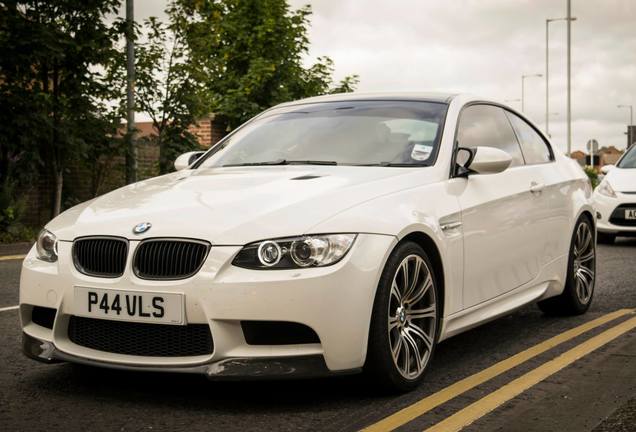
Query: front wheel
405, 321
581, 274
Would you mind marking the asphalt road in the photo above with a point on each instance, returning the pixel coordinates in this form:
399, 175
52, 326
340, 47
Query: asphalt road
597, 392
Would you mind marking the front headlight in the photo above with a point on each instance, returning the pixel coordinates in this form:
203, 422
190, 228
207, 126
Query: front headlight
606, 189
46, 246
295, 252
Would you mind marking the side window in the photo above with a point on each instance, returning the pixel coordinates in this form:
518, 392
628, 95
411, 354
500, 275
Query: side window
535, 149
488, 126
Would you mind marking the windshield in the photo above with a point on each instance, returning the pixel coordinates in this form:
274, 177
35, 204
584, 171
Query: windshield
383, 133
629, 160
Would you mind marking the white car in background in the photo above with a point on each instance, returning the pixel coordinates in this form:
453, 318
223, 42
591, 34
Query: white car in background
615, 199
329, 235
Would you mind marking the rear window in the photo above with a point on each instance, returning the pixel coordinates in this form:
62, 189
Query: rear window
535, 149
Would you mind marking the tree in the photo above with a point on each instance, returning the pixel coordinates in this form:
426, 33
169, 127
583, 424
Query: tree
249, 55
52, 53
166, 89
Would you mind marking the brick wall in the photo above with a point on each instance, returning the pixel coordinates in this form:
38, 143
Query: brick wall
209, 131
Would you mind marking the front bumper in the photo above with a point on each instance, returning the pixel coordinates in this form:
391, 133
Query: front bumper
606, 206
311, 366
334, 301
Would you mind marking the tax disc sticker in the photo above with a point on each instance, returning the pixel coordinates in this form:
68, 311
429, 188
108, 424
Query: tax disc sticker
421, 152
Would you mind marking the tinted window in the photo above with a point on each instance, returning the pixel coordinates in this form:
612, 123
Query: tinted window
346, 133
488, 126
534, 148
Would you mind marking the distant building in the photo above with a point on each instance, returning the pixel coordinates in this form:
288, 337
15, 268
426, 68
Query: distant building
608, 156
604, 156
206, 130
579, 156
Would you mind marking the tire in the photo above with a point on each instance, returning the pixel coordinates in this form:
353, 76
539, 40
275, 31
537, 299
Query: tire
605, 238
581, 274
405, 320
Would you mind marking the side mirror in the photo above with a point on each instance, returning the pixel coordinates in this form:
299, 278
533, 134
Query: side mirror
606, 168
187, 159
482, 160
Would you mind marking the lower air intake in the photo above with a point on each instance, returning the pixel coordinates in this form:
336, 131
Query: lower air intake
140, 339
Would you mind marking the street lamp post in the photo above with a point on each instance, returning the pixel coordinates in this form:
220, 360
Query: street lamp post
523, 87
131, 148
569, 105
547, 70
631, 122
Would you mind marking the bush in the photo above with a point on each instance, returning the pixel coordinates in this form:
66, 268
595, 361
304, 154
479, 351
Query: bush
11, 212
592, 174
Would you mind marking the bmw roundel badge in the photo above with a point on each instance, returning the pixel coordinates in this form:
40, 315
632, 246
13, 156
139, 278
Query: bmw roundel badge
142, 227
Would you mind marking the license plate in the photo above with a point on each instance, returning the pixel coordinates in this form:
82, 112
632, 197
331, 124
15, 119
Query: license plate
630, 214
137, 306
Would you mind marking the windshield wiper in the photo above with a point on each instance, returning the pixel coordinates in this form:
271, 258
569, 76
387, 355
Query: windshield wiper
399, 164
274, 162
311, 162
395, 164
284, 162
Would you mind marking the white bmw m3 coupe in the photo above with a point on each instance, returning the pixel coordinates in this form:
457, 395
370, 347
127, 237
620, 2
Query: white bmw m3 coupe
330, 235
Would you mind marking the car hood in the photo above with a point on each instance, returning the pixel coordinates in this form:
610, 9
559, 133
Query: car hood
622, 179
233, 206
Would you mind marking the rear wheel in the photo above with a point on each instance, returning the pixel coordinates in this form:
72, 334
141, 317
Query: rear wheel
581, 274
605, 238
405, 320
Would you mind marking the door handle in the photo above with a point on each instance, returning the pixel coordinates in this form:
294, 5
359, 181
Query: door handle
536, 188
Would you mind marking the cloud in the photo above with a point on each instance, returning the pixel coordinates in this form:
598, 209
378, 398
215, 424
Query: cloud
483, 47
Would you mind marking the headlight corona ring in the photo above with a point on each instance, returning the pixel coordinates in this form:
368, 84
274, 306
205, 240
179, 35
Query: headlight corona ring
295, 252
269, 253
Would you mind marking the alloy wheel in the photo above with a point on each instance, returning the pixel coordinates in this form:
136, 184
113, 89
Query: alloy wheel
412, 316
584, 262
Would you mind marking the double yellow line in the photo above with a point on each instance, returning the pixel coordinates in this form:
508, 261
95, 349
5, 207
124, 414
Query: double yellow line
483, 406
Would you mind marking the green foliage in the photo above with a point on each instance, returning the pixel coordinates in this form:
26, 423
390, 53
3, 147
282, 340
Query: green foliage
592, 174
12, 207
51, 85
250, 55
18, 233
166, 89
63, 64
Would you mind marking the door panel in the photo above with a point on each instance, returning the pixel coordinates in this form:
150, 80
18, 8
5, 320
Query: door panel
554, 220
500, 213
553, 213
501, 251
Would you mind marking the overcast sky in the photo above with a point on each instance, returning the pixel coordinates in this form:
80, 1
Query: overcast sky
483, 47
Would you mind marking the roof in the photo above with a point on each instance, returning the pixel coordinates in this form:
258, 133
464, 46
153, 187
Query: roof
414, 96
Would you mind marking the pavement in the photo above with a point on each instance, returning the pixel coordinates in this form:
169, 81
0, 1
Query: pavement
523, 372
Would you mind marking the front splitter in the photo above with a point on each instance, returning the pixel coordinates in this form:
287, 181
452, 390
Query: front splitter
251, 368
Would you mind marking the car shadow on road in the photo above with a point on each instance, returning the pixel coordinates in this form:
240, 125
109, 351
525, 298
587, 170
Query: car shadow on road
625, 241
456, 358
